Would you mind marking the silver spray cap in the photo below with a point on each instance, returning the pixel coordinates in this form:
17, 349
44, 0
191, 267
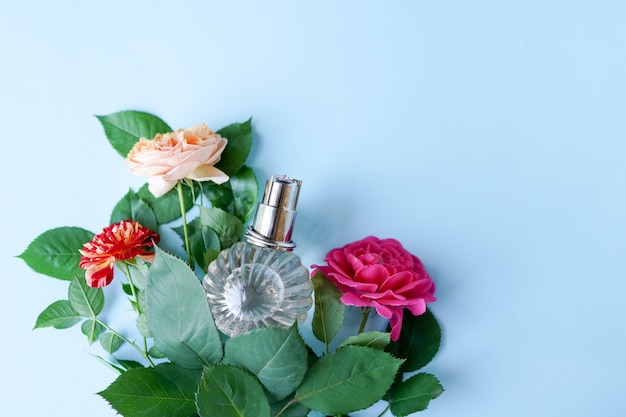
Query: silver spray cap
275, 215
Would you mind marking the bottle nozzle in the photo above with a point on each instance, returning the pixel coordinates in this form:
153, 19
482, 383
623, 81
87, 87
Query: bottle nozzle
276, 214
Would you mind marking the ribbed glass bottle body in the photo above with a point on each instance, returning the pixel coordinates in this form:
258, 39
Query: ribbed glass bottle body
249, 287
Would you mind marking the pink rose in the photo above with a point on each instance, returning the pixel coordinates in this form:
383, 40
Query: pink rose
169, 157
380, 274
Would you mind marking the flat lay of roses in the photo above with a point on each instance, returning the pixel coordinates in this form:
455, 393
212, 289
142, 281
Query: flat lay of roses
219, 306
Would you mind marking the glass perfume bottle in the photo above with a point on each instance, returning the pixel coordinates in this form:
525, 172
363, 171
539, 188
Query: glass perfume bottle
260, 282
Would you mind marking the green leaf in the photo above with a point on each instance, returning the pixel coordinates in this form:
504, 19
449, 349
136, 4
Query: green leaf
277, 356
124, 128
92, 329
239, 137
128, 364
376, 340
220, 195
87, 301
132, 207
113, 367
156, 353
414, 394
55, 252
226, 391
164, 390
140, 274
237, 196
349, 379
142, 325
59, 315
178, 314
111, 342
127, 289
167, 207
419, 340
229, 228
204, 242
328, 313
245, 191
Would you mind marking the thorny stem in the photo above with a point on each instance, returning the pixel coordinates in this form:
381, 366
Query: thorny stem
143, 352
137, 307
179, 187
133, 290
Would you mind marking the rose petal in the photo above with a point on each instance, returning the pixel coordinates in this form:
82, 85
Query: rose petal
382, 310
369, 274
348, 282
159, 187
99, 275
352, 299
207, 155
208, 173
354, 262
395, 321
417, 308
398, 280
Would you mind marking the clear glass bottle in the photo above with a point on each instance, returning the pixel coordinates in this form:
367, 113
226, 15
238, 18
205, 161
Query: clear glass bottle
260, 282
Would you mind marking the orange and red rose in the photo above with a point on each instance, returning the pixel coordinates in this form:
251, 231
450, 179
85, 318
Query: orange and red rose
381, 274
118, 242
167, 158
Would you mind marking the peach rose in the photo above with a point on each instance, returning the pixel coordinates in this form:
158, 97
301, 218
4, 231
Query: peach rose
170, 157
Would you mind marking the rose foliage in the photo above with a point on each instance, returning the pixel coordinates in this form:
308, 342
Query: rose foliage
175, 362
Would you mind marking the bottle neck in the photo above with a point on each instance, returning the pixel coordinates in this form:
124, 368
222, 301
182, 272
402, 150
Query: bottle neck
257, 239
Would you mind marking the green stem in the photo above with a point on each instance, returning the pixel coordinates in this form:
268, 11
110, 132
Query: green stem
286, 407
385, 410
366, 314
143, 352
183, 212
133, 290
137, 307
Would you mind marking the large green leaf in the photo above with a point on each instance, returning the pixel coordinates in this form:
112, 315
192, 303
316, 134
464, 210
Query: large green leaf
245, 190
414, 394
277, 356
328, 313
132, 207
229, 228
165, 390
204, 242
55, 252
239, 137
139, 273
237, 196
226, 391
124, 128
419, 340
167, 207
59, 315
349, 379
178, 314
87, 301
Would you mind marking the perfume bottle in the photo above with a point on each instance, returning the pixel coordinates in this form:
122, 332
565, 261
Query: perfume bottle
260, 282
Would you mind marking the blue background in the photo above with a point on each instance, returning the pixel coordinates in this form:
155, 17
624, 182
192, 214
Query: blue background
487, 136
